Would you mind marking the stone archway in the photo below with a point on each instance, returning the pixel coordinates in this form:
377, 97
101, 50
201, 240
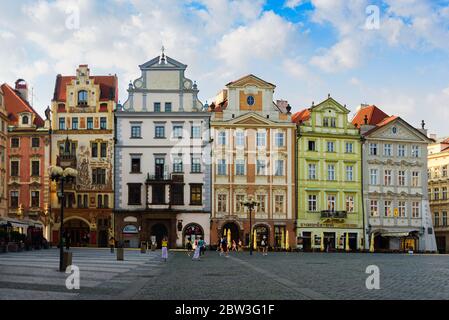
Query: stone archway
192, 231
262, 230
233, 227
159, 231
78, 231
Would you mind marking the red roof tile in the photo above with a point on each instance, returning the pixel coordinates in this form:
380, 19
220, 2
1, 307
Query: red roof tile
220, 107
14, 105
372, 113
301, 116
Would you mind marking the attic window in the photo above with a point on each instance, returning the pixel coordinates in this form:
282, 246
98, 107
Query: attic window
82, 97
25, 120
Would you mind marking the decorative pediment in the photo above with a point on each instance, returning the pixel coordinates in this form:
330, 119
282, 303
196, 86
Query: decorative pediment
399, 130
251, 118
332, 104
169, 64
251, 80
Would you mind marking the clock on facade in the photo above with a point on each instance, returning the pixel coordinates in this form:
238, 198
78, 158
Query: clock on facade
187, 84
138, 84
250, 100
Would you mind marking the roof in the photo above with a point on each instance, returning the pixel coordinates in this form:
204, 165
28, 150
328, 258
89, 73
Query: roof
301, 116
373, 114
250, 76
218, 107
14, 105
108, 87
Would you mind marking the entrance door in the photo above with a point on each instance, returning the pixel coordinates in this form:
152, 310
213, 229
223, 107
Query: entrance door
307, 241
353, 241
329, 241
159, 231
441, 244
235, 234
103, 238
78, 231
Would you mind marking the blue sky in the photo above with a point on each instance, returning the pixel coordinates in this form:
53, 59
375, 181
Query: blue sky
307, 48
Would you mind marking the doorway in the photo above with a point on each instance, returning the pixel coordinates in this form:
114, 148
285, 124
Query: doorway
234, 232
159, 231
78, 231
329, 241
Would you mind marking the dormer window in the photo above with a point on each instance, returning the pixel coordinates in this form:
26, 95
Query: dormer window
82, 97
25, 120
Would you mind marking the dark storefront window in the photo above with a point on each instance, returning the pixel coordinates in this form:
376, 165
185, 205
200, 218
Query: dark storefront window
134, 193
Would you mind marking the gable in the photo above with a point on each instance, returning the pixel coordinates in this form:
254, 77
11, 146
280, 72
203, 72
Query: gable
331, 104
251, 80
404, 131
251, 119
170, 64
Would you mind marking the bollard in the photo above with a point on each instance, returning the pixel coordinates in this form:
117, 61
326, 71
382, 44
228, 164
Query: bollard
143, 247
120, 254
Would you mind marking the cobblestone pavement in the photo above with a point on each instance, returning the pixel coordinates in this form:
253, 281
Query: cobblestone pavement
34, 274
278, 276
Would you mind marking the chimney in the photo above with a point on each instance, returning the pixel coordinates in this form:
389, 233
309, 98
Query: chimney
22, 89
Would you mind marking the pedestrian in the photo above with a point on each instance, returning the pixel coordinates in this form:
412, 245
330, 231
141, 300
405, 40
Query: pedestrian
197, 253
234, 245
264, 245
112, 244
165, 249
225, 247
189, 247
202, 245
240, 247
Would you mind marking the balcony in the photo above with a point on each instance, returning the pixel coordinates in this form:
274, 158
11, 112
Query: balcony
326, 214
165, 178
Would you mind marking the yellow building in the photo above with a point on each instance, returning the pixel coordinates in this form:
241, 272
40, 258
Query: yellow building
83, 138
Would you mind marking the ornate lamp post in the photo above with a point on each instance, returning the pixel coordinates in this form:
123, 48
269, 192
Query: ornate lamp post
250, 203
62, 176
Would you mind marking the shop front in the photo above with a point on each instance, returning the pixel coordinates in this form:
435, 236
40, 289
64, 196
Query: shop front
330, 239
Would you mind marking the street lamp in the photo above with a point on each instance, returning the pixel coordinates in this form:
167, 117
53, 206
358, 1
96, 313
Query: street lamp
250, 203
62, 176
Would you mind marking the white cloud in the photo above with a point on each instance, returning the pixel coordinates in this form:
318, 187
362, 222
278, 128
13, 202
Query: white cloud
344, 55
292, 4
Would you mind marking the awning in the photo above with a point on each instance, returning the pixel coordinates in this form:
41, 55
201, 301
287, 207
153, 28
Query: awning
395, 234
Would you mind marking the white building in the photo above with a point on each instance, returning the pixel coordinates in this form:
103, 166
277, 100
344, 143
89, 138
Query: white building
397, 213
162, 158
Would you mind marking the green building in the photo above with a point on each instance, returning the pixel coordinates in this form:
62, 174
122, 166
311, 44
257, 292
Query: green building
329, 179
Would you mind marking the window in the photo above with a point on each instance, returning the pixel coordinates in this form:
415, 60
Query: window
136, 131
436, 219
374, 176
35, 142
415, 179
330, 146
436, 194
261, 139
239, 198
168, 107
177, 165
177, 194
222, 203
349, 147
90, 123
196, 132
279, 168
134, 190
35, 168
14, 201
240, 167
278, 203
103, 149
221, 170
196, 194
331, 203
402, 209
86, 201
158, 194
100, 201
250, 100
415, 209
261, 167
99, 176
25, 120
82, 97
349, 173
157, 107
196, 165
349, 204
444, 219
415, 151
312, 171
135, 165
374, 208
75, 123
331, 172
222, 138
401, 150
35, 200
240, 138
388, 150
401, 178
103, 123
444, 193
373, 149
94, 150
14, 168
312, 145
329, 122
15, 142
159, 131
261, 198
279, 138
177, 131
387, 178
387, 208
61, 123
312, 202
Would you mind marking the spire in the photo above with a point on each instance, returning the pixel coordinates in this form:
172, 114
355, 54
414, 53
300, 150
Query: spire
163, 60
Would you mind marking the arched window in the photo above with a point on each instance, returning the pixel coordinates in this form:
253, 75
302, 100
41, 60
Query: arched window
25, 120
82, 97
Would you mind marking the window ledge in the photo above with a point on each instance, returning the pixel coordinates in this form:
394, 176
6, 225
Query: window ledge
136, 138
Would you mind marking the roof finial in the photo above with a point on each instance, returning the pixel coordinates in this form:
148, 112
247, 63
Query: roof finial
313, 103
163, 55
423, 125
328, 95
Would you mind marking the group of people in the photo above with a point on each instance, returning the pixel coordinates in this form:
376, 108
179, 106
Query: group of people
198, 247
224, 247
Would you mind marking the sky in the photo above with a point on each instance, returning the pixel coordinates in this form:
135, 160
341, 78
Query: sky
390, 53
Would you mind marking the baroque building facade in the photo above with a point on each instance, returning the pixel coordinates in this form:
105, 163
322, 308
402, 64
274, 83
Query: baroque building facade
438, 174
83, 139
3, 153
163, 159
329, 173
395, 182
253, 157
27, 160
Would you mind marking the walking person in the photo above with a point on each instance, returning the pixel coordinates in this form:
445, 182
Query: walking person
165, 249
189, 247
225, 247
197, 253
220, 246
112, 244
240, 247
264, 245
202, 245
234, 245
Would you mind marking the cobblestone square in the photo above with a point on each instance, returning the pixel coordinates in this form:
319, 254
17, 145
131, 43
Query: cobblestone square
278, 276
